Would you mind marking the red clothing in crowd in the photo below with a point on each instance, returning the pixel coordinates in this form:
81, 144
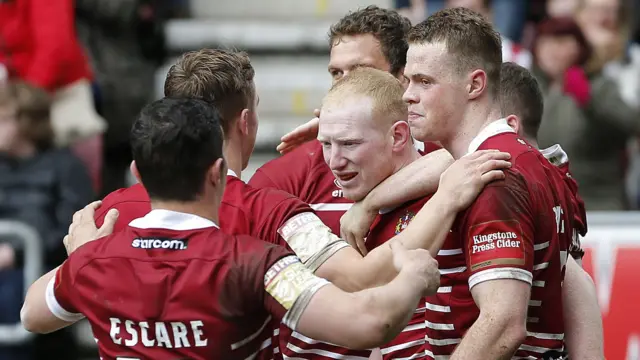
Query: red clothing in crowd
38, 42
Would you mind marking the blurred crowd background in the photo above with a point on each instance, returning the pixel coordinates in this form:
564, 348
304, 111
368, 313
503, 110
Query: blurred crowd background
75, 73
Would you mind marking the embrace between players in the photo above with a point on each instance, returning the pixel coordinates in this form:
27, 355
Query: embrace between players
197, 264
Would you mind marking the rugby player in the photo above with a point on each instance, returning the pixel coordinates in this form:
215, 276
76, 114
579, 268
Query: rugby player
172, 285
520, 97
517, 87
513, 239
372, 37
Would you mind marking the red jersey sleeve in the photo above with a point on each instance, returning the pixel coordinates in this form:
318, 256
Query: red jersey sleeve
60, 294
498, 233
288, 172
284, 207
132, 203
276, 277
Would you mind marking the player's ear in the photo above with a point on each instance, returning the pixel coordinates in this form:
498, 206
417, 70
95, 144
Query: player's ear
217, 173
243, 122
134, 171
477, 84
401, 135
514, 122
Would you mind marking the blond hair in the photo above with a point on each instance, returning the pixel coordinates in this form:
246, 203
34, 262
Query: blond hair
223, 78
384, 90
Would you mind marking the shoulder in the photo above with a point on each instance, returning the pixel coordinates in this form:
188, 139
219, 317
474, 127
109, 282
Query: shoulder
260, 199
304, 154
132, 203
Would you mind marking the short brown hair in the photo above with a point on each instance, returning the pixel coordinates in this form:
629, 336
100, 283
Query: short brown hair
520, 95
223, 78
387, 26
33, 112
383, 88
471, 41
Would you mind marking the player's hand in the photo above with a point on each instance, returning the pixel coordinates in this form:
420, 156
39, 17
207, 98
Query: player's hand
300, 135
466, 177
418, 263
355, 224
83, 229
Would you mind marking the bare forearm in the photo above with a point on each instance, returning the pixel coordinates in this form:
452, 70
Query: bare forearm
583, 322
418, 179
489, 338
395, 302
35, 312
428, 230
361, 320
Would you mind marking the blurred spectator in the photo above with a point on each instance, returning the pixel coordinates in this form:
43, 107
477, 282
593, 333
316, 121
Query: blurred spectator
125, 39
583, 112
40, 186
38, 44
510, 15
561, 8
511, 51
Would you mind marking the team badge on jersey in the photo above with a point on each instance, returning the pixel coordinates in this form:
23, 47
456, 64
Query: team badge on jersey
404, 221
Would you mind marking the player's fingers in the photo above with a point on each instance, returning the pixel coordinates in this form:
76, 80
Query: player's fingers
316, 113
361, 247
90, 210
109, 222
479, 153
493, 165
492, 175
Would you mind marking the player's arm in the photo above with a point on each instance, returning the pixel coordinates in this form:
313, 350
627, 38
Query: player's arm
41, 312
583, 322
360, 320
418, 179
498, 247
313, 242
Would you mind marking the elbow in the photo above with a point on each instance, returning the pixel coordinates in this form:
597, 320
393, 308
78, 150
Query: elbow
514, 332
374, 332
29, 322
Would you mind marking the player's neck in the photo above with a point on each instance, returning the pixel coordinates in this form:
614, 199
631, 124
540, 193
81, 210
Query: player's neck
532, 142
476, 118
205, 209
409, 155
232, 152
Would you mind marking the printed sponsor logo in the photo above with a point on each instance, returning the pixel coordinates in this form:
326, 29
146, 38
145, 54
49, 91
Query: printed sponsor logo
169, 244
495, 243
296, 223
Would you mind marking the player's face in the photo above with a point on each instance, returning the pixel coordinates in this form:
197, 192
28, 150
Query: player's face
436, 93
355, 147
349, 52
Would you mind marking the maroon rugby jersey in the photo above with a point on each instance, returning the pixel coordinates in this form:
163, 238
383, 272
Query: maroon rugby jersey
173, 286
556, 156
518, 228
244, 210
304, 173
410, 343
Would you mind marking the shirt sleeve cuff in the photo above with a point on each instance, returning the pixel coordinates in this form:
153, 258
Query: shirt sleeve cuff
292, 317
500, 273
57, 309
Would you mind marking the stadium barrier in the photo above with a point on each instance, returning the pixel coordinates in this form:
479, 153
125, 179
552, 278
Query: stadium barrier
15, 334
612, 258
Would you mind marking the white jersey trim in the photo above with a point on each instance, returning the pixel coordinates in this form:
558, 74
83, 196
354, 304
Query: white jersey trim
55, 307
330, 207
500, 273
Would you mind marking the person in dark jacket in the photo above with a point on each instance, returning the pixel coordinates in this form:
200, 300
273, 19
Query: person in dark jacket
40, 186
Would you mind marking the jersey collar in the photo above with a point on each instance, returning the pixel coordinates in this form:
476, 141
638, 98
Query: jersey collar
231, 173
555, 154
172, 220
499, 126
